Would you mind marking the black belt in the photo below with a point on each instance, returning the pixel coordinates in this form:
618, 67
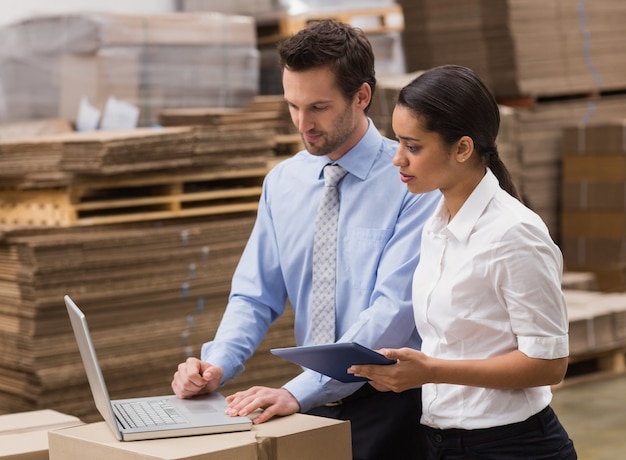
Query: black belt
481, 435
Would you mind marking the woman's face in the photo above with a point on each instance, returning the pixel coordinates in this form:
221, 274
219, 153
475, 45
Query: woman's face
425, 162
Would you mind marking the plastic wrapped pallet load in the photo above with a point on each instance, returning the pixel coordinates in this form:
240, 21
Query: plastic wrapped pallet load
49, 63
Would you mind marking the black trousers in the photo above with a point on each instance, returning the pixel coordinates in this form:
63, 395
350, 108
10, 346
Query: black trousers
384, 425
540, 437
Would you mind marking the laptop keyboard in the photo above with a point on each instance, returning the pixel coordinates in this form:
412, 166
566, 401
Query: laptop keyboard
149, 413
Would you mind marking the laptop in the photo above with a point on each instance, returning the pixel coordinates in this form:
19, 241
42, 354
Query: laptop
151, 417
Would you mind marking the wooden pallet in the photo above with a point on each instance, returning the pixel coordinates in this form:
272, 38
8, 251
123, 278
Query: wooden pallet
288, 144
531, 101
121, 199
370, 20
594, 366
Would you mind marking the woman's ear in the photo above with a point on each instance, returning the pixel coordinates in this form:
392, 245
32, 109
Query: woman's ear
464, 149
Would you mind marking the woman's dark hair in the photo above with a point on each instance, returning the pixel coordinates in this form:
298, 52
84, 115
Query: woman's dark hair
452, 101
344, 49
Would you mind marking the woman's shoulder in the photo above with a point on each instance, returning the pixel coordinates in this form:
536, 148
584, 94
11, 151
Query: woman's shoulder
515, 218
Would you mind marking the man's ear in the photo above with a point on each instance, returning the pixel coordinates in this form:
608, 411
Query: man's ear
363, 95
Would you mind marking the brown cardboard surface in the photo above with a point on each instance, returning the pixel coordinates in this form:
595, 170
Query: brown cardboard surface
610, 276
31, 446
304, 437
594, 195
24, 422
607, 225
296, 437
599, 168
24, 435
606, 138
581, 251
96, 442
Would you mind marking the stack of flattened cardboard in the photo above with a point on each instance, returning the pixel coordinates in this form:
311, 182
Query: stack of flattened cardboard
33, 165
153, 293
522, 47
25, 157
109, 152
143, 173
540, 145
229, 135
153, 284
262, 111
597, 327
33, 128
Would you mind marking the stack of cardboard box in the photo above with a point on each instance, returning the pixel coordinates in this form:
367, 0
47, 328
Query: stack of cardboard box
520, 47
594, 201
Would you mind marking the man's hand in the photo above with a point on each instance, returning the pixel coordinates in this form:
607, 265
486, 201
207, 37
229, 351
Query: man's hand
195, 377
273, 401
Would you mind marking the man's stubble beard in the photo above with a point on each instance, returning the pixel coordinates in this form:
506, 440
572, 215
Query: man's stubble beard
345, 127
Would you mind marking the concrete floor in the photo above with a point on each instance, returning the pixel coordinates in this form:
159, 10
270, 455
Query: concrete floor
594, 415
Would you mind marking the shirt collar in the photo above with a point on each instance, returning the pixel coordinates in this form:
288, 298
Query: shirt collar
465, 220
359, 160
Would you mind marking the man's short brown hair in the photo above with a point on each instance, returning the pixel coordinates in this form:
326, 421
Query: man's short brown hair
341, 47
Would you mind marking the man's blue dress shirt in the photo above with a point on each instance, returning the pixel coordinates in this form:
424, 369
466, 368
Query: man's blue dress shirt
380, 224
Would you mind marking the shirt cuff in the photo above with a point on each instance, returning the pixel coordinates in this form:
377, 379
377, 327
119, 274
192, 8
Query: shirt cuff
312, 390
229, 364
544, 347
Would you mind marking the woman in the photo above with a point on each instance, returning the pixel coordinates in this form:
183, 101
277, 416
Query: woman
487, 296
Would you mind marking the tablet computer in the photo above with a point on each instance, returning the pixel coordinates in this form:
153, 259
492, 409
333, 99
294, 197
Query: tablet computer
333, 359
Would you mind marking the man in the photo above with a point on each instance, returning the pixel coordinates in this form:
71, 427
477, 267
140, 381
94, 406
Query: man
328, 81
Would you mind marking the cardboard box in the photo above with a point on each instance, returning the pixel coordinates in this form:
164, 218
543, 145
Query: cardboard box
303, 437
594, 168
24, 435
296, 437
607, 225
580, 252
605, 138
594, 196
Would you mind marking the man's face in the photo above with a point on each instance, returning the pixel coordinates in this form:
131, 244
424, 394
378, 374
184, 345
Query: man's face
326, 121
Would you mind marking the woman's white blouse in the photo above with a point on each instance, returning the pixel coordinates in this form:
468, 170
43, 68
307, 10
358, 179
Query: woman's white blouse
488, 283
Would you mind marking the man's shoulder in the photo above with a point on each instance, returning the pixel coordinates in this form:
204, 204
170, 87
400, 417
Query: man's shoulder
297, 160
297, 168
389, 144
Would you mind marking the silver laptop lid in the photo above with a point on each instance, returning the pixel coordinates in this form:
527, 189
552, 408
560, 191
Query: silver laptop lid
92, 369
202, 415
